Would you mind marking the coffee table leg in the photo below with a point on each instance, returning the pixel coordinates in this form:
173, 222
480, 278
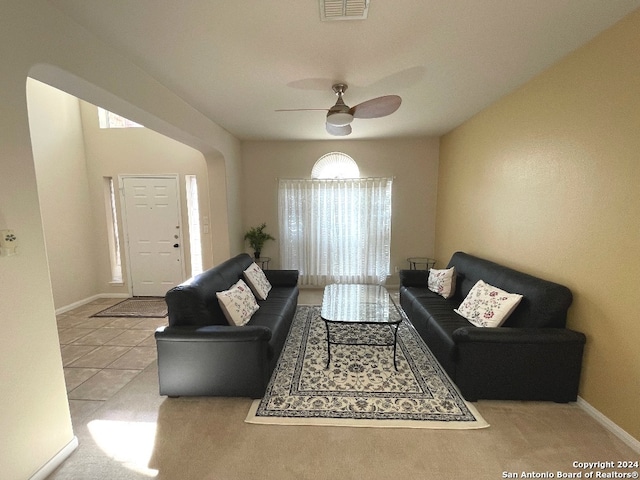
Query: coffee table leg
326, 325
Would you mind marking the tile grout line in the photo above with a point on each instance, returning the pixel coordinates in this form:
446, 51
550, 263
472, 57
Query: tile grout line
127, 325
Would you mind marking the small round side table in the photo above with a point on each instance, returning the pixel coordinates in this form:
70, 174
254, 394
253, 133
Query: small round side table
414, 262
263, 262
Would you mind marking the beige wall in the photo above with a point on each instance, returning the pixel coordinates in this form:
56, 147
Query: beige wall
37, 40
413, 162
547, 181
61, 172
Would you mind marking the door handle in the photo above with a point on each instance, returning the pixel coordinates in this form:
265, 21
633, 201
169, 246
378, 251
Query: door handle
176, 245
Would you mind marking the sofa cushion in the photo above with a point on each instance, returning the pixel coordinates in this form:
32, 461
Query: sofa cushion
435, 321
238, 303
545, 303
257, 281
276, 313
488, 306
442, 282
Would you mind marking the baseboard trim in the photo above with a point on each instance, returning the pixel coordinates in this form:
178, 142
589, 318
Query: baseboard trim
607, 423
56, 461
90, 299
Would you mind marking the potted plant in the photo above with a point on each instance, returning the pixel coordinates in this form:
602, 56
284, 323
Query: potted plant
257, 236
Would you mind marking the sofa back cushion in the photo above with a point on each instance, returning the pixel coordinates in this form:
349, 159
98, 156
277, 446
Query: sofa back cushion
544, 303
194, 302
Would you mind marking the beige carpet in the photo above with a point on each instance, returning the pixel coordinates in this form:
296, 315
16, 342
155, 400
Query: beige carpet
361, 387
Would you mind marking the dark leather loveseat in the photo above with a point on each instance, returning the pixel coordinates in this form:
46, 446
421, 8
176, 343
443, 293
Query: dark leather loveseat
531, 357
199, 353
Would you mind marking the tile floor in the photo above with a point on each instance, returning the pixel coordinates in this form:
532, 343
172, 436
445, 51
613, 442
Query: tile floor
101, 355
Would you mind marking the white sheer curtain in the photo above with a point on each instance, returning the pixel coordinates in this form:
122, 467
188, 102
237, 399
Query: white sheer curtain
336, 231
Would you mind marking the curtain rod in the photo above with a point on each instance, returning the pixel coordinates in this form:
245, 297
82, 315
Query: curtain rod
334, 179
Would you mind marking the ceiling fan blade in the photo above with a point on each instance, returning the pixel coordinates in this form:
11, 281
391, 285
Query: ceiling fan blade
377, 107
338, 131
301, 109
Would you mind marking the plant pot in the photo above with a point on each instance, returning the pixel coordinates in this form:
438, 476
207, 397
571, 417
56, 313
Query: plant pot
256, 254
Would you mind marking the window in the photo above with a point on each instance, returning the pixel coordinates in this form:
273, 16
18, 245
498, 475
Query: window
335, 165
109, 119
336, 230
112, 229
193, 213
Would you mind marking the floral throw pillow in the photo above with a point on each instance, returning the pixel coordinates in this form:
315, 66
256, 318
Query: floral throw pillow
442, 282
257, 281
237, 303
488, 306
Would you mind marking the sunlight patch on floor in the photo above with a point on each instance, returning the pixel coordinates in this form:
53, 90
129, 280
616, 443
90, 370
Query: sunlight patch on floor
129, 443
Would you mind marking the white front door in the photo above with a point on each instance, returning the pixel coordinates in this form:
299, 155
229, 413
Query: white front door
151, 217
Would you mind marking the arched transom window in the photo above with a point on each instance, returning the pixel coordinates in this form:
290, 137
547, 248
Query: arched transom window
335, 165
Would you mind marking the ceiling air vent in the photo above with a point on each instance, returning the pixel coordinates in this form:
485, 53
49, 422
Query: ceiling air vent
344, 9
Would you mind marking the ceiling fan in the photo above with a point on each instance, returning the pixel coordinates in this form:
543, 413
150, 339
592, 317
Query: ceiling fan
340, 116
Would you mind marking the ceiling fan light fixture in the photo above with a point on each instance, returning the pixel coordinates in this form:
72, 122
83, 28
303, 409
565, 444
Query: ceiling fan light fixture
339, 119
340, 114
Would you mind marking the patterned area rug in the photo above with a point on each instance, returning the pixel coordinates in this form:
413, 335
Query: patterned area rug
141, 307
360, 388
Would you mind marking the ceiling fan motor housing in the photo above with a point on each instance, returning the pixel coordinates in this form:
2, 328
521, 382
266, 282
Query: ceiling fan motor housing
340, 114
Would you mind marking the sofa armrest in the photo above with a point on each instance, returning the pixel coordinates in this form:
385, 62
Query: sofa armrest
282, 278
518, 364
414, 278
517, 335
213, 361
215, 333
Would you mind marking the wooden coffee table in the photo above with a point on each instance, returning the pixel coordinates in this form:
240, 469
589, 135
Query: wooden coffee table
351, 304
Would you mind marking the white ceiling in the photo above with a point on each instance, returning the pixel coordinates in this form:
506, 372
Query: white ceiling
237, 61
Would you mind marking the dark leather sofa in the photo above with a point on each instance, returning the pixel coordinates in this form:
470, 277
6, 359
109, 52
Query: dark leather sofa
531, 357
200, 354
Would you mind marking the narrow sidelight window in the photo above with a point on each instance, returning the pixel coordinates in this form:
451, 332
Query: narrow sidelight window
193, 213
112, 229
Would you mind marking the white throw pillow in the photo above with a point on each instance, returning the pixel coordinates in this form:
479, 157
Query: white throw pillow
442, 282
257, 281
488, 306
238, 303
